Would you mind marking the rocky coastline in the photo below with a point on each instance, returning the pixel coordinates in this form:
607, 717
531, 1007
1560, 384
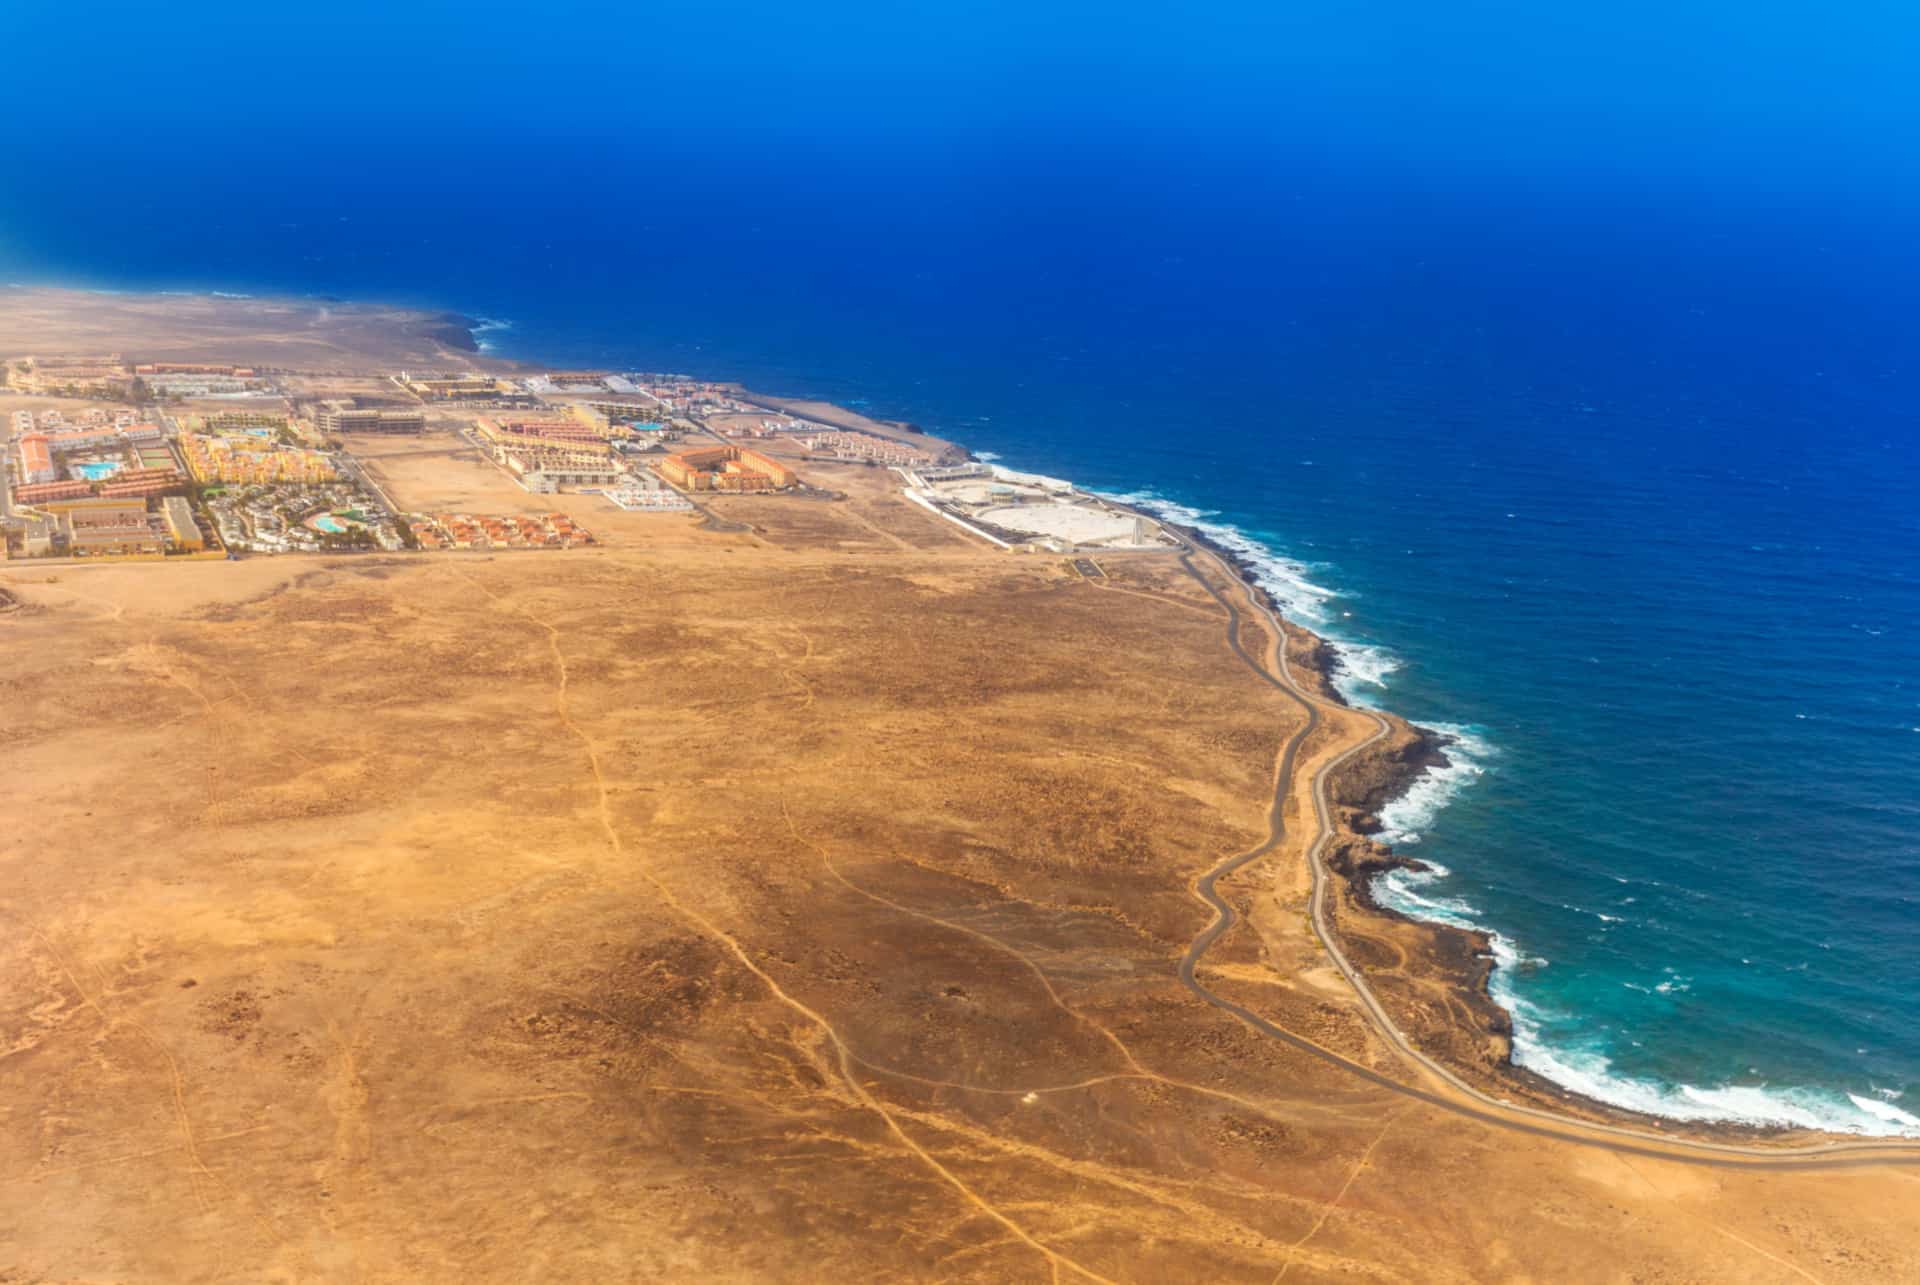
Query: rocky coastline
452, 330
1479, 1036
1438, 977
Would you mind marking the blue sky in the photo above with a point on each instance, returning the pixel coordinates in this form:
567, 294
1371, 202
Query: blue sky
1001, 117
1660, 88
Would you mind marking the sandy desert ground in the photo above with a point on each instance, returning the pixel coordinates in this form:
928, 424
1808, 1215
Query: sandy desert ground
313, 335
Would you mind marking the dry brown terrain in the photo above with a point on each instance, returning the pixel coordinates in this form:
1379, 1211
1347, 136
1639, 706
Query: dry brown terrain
441, 472
733, 422
306, 334
773, 906
792, 901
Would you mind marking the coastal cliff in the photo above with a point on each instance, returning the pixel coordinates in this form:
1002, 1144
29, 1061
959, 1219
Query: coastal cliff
451, 330
1435, 977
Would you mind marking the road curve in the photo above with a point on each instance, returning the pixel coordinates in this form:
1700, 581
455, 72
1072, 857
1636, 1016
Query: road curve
1470, 1102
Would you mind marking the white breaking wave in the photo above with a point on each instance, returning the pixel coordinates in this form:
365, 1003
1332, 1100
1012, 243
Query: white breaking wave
1590, 1073
1468, 753
1363, 672
986, 457
1879, 1109
1401, 890
484, 326
1363, 668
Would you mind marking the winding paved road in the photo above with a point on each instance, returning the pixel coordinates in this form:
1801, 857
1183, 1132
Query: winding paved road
1461, 1098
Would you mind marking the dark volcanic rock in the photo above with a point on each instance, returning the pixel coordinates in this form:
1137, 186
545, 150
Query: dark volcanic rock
1314, 662
453, 330
1385, 770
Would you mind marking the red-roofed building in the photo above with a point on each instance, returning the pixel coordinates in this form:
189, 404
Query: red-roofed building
41, 492
36, 459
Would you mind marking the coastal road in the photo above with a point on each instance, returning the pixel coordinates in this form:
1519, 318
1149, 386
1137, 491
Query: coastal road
1456, 1095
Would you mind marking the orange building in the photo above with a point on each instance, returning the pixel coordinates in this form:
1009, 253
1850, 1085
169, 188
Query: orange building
570, 432
36, 459
726, 468
467, 531
147, 481
41, 492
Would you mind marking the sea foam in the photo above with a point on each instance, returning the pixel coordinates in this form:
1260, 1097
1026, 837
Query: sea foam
1418, 894
484, 326
1589, 1072
1903, 1121
1363, 668
1468, 752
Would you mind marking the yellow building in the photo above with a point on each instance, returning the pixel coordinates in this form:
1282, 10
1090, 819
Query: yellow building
251, 461
177, 514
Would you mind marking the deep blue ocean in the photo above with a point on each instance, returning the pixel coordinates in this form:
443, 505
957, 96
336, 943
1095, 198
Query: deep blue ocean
1608, 468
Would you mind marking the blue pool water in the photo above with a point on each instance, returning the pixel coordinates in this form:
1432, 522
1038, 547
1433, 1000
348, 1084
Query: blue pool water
97, 470
327, 523
1567, 380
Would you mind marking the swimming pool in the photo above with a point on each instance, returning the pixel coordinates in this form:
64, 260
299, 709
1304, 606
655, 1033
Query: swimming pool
97, 470
325, 522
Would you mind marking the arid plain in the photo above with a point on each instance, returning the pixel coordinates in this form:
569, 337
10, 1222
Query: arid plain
791, 903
